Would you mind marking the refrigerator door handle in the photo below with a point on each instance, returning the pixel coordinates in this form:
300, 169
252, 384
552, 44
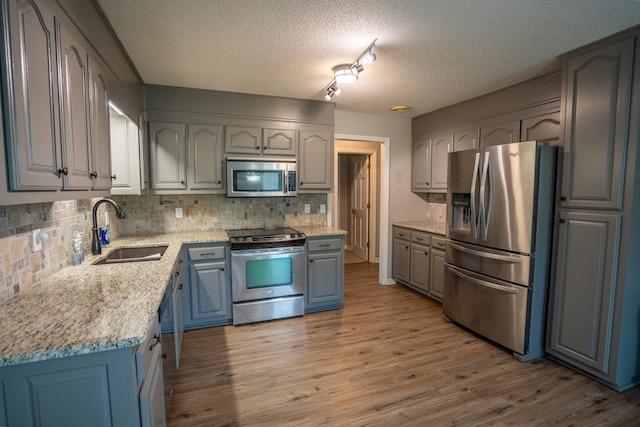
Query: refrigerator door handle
505, 258
475, 213
484, 283
486, 210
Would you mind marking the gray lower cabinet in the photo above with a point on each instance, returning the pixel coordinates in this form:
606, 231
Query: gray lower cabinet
120, 387
594, 299
325, 273
418, 261
584, 284
207, 298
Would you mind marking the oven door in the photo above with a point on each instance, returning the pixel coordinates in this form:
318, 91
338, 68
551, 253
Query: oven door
267, 273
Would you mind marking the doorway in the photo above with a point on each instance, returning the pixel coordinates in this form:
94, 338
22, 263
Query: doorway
357, 198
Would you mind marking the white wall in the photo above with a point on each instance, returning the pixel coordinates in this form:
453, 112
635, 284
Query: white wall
403, 204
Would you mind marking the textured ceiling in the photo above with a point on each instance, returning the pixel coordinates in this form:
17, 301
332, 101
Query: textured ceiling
431, 53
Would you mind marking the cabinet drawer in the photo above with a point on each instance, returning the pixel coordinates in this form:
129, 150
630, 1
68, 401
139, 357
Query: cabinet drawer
437, 242
324, 245
401, 233
210, 252
144, 352
421, 238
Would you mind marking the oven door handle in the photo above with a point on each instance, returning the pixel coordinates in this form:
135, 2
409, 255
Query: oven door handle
245, 253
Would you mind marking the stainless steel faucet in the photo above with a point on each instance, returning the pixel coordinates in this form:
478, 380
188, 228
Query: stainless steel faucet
96, 247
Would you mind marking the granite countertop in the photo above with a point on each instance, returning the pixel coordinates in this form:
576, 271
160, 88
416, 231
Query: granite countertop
428, 226
90, 308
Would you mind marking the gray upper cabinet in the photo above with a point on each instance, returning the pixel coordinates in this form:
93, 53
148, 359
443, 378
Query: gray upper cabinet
205, 157
31, 96
421, 164
500, 133
74, 106
279, 142
441, 144
466, 138
429, 162
167, 152
243, 140
315, 161
259, 141
541, 128
99, 98
596, 116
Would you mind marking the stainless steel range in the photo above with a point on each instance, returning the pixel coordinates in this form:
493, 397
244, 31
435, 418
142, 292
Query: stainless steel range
268, 272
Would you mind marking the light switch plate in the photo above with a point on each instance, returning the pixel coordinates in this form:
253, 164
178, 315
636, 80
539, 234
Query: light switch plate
307, 208
178, 212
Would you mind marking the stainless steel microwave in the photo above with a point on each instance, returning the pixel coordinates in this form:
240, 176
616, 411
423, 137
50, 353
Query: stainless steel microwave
251, 177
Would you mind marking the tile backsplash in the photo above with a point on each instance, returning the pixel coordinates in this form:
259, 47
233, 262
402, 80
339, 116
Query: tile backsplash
436, 208
157, 214
21, 267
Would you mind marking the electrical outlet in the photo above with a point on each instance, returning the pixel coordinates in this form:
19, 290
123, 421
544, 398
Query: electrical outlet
178, 212
323, 208
307, 208
37, 243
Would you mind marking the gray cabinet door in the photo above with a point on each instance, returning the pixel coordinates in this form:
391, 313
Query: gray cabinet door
242, 140
501, 133
31, 97
401, 260
209, 297
167, 155
152, 408
99, 102
74, 108
436, 279
580, 322
279, 142
466, 138
205, 157
596, 112
419, 264
421, 164
325, 278
541, 128
315, 161
441, 144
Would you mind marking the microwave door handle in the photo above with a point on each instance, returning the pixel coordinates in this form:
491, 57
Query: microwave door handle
284, 182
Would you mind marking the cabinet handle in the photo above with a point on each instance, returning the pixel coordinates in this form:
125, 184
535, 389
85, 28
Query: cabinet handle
113, 177
221, 268
400, 234
561, 220
301, 184
64, 171
264, 148
180, 286
419, 239
426, 253
564, 199
156, 341
180, 261
219, 182
164, 356
182, 182
325, 245
93, 174
257, 147
310, 260
176, 274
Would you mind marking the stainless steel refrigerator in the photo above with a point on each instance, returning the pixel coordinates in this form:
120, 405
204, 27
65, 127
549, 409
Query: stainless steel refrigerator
499, 232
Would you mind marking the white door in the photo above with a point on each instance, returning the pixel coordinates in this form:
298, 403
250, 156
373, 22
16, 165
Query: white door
360, 206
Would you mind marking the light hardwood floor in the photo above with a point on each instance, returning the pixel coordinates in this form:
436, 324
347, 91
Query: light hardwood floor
386, 359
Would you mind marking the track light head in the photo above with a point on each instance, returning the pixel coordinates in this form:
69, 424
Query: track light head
368, 57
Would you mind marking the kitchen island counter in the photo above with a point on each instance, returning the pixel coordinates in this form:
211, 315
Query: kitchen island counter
90, 308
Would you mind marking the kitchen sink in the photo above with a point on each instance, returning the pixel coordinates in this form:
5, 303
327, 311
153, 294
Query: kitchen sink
133, 254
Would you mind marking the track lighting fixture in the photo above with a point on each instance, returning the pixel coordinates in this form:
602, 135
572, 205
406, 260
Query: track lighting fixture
348, 73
